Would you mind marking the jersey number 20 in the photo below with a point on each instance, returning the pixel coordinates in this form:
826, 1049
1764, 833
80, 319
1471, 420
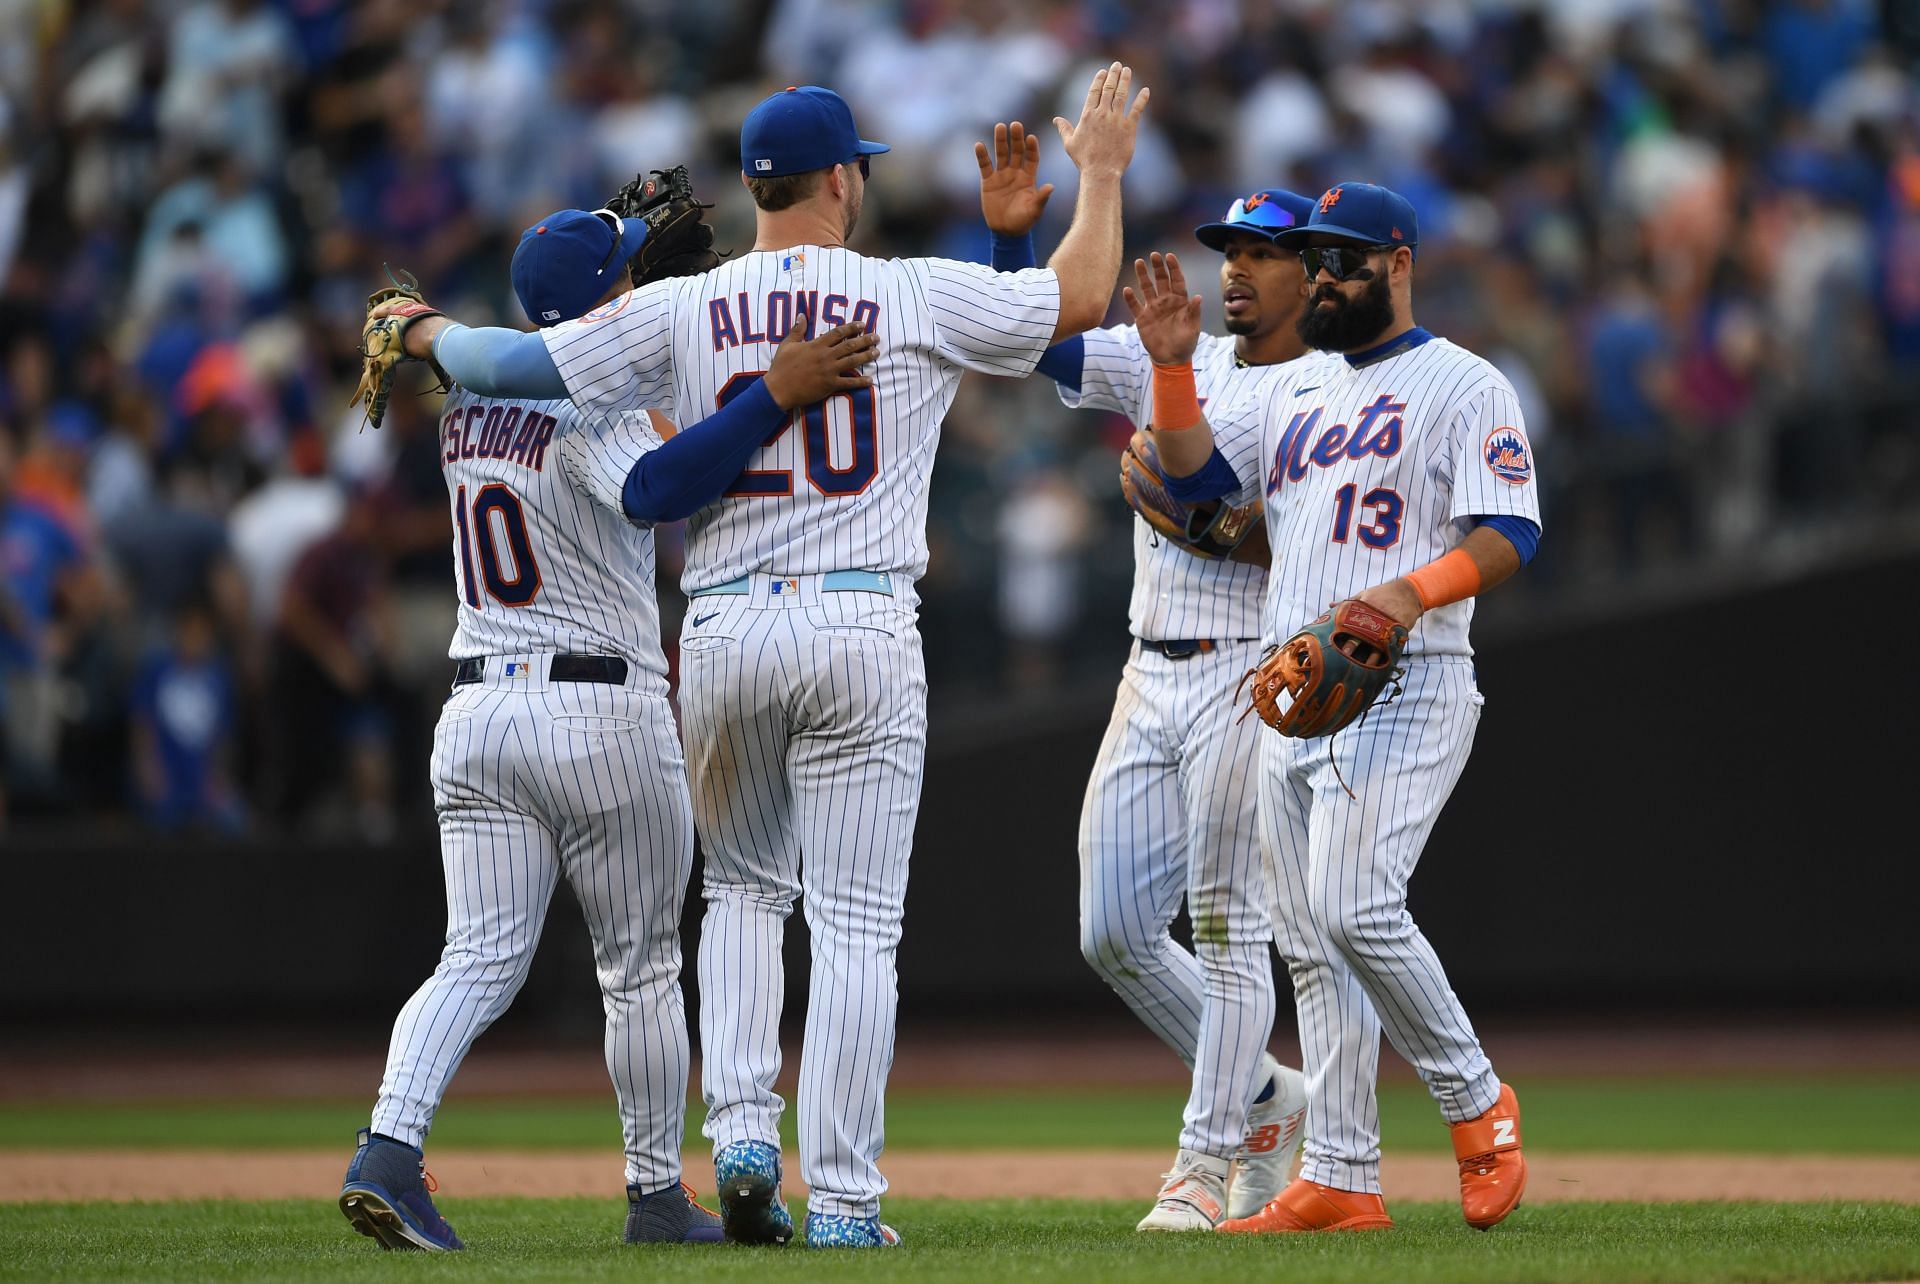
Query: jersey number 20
496, 511
835, 483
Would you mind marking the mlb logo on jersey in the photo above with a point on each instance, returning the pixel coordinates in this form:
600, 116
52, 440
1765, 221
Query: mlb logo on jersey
789, 262
1507, 456
514, 669
784, 588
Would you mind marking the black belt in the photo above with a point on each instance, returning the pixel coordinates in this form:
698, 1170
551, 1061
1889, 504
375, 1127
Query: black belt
1183, 648
610, 669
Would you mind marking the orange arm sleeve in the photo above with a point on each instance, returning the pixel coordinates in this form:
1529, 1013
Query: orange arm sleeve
1453, 577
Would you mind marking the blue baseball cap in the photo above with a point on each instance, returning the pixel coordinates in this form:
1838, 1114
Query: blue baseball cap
567, 261
1360, 212
1267, 213
801, 128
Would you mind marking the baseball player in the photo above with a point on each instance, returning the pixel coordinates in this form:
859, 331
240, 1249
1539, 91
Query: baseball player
556, 753
803, 691
1401, 477
1170, 807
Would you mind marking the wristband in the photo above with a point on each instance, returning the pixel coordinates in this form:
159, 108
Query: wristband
1452, 578
1176, 404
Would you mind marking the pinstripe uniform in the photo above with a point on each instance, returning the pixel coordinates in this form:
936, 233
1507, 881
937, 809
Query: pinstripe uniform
803, 688
535, 779
1169, 810
1371, 474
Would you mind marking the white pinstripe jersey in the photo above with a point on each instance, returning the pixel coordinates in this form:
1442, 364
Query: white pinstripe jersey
842, 485
1376, 471
1175, 594
538, 566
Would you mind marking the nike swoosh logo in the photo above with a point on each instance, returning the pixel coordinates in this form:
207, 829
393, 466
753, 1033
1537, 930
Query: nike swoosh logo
698, 620
1309, 388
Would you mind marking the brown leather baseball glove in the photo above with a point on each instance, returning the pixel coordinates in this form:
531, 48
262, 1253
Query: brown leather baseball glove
1334, 668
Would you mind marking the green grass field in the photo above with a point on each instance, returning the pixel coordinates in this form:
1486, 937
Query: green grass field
527, 1239
578, 1239
1766, 1114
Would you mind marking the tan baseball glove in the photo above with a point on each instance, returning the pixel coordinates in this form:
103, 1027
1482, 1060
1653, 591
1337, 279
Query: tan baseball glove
1213, 530
383, 346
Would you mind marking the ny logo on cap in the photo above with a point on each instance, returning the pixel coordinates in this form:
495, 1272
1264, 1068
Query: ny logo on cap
1258, 199
1331, 199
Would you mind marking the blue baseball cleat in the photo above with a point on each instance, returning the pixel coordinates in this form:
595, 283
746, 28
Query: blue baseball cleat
747, 1175
386, 1197
670, 1216
830, 1230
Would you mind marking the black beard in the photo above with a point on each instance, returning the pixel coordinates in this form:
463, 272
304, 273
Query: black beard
1240, 325
1347, 326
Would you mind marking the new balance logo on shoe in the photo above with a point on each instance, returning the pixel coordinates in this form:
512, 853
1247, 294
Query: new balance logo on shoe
1264, 1139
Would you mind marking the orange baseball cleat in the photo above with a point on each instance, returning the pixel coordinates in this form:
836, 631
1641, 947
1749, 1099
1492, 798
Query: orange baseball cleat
1493, 1173
1308, 1206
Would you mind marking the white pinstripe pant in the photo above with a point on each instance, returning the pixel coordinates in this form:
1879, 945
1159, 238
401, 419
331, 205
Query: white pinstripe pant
1341, 923
805, 720
1170, 813
534, 780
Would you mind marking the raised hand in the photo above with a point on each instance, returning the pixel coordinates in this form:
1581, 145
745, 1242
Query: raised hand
1009, 198
1101, 141
1167, 317
808, 370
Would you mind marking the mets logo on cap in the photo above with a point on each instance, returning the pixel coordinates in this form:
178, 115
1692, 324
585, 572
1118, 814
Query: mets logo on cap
1507, 456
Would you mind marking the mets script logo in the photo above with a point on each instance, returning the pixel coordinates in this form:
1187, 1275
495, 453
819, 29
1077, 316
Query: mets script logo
606, 310
1507, 456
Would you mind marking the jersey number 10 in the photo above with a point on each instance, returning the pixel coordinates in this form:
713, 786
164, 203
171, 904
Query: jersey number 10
495, 507
835, 483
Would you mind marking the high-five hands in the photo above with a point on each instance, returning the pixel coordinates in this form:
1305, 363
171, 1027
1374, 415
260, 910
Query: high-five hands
1101, 141
1009, 197
1167, 317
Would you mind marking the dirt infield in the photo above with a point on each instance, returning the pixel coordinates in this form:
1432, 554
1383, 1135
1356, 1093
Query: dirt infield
39, 1176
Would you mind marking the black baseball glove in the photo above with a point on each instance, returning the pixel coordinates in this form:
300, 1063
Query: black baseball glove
678, 242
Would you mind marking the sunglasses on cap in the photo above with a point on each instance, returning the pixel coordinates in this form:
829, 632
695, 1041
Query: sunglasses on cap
1260, 212
615, 226
1341, 262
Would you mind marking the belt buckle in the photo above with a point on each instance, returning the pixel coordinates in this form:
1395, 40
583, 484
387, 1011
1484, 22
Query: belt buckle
1184, 649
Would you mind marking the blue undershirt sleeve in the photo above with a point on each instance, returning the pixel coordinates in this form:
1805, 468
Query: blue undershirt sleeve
1012, 253
1064, 361
695, 466
1215, 480
1520, 532
497, 362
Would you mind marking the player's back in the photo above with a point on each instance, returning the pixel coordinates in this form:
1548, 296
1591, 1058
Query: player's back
539, 567
842, 485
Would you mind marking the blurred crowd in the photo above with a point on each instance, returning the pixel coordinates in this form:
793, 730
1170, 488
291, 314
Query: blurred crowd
1688, 231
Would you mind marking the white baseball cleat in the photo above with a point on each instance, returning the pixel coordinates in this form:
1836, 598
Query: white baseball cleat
1275, 1129
1194, 1197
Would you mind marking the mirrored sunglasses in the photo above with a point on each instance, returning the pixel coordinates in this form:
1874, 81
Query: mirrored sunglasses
1261, 212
